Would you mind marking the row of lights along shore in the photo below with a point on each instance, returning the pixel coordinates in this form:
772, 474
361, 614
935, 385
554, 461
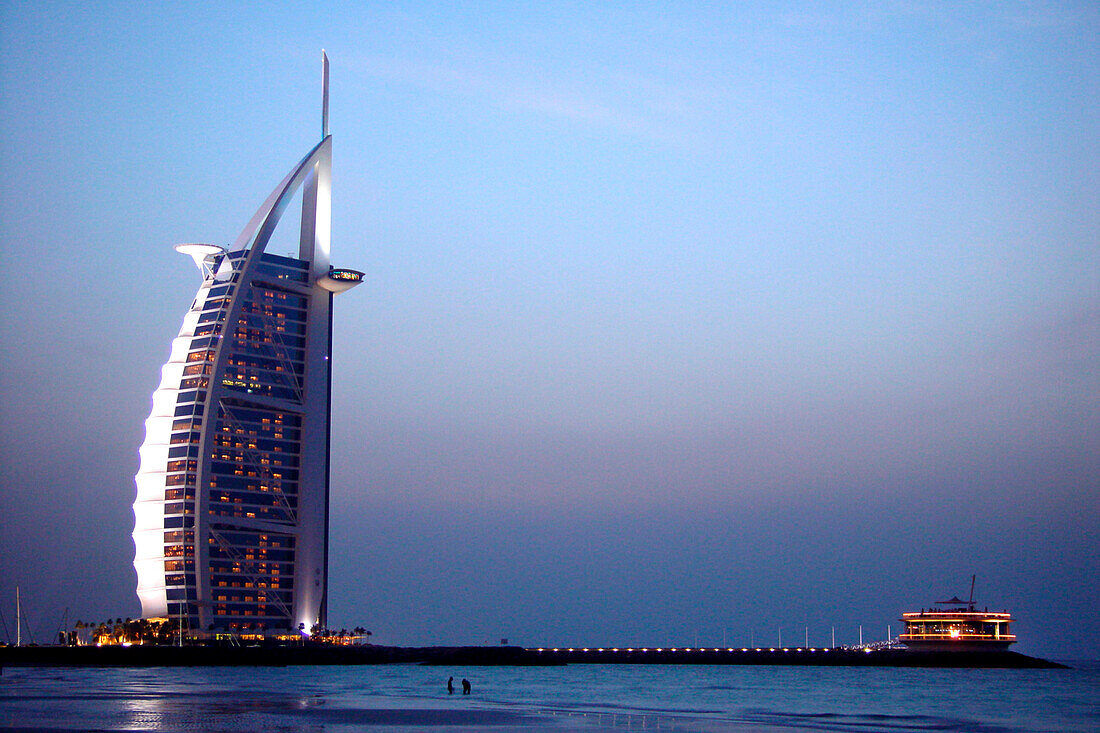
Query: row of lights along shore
683, 649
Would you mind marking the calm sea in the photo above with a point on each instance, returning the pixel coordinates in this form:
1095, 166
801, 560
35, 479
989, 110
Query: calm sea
588, 697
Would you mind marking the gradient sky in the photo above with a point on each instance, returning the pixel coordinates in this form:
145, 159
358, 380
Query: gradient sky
682, 321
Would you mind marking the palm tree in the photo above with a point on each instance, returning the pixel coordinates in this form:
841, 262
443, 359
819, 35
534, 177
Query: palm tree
162, 632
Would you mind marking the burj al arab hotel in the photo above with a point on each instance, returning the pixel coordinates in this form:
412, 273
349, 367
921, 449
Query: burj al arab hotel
231, 515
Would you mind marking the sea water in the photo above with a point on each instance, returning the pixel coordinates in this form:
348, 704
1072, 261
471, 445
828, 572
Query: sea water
588, 697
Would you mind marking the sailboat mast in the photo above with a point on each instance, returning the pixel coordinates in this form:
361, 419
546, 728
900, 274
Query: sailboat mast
18, 618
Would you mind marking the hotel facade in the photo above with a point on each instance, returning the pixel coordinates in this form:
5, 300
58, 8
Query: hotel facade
231, 514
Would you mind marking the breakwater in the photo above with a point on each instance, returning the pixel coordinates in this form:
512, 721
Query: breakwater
315, 654
794, 656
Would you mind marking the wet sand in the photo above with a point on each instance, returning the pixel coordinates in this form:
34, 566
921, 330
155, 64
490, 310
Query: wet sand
289, 713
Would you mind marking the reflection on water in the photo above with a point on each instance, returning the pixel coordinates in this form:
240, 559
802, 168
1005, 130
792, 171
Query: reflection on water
205, 711
623, 697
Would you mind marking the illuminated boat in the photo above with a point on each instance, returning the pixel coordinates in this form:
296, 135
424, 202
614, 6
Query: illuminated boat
957, 627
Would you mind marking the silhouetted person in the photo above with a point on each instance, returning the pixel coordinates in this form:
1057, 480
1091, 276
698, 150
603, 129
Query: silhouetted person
450, 685
465, 686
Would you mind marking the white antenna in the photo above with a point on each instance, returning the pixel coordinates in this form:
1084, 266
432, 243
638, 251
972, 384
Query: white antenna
324, 94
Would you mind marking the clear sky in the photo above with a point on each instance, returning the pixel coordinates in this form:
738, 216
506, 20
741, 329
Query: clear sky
682, 321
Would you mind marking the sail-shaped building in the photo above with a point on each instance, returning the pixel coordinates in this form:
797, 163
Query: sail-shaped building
231, 515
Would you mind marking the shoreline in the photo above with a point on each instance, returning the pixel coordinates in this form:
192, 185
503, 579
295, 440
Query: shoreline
309, 654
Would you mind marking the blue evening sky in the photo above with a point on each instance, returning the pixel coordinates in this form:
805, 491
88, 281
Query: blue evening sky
682, 321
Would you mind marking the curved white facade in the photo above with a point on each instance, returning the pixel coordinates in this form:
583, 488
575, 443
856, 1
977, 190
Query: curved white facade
231, 514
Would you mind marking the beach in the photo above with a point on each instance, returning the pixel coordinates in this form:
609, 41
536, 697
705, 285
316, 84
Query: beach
400, 697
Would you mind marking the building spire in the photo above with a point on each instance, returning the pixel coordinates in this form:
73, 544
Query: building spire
324, 94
